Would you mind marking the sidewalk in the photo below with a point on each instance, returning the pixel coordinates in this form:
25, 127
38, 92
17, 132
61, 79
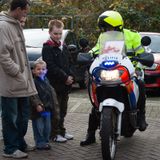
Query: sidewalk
142, 146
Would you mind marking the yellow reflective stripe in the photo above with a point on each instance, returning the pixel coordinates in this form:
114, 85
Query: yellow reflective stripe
130, 50
94, 51
138, 48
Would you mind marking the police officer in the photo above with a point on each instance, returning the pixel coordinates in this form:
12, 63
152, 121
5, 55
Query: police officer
112, 21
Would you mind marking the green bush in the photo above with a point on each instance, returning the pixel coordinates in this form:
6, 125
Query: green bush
81, 15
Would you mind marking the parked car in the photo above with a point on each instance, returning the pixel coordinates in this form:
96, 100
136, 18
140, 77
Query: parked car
152, 74
34, 43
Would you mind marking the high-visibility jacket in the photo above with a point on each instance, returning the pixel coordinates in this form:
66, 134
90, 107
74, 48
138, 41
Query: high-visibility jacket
132, 44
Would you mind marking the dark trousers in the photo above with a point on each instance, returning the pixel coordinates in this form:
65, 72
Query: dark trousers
142, 98
55, 116
58, 125
15, 116
94, 120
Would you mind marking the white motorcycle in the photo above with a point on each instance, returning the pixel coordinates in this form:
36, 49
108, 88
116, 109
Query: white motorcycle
113, 90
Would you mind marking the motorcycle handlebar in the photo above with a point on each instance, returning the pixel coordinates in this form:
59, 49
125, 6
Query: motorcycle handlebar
84, 58
146, 59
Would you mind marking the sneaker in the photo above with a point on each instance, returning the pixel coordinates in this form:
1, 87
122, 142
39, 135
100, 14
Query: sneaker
30, 148
17, 154
68, 136
60, 139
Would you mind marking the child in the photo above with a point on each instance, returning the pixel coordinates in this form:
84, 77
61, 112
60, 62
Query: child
56, 56
42, 106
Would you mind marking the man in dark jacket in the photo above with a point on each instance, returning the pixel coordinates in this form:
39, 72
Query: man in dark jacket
56, 56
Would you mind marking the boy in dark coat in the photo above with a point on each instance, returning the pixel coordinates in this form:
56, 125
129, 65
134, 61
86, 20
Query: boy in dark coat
43, 106
56, 56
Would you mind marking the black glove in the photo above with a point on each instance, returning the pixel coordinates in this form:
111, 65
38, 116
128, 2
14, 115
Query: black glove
146, 59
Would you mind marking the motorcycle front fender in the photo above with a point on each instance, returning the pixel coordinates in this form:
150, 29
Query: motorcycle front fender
110, 102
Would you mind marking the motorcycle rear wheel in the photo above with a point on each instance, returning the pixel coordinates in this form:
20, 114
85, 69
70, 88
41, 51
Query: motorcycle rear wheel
107, 131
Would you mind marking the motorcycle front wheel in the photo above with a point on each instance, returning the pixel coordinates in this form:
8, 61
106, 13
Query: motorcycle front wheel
107, 132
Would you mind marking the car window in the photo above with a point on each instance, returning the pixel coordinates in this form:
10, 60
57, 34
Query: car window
155, 42
34, 38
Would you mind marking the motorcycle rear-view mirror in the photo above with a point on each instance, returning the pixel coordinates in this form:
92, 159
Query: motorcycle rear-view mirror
146, 41
72, 48
84, 58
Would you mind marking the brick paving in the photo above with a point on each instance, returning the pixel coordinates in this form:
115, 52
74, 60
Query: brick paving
142, 146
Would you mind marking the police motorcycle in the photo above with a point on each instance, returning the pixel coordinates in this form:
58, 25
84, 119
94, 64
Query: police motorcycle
113, 90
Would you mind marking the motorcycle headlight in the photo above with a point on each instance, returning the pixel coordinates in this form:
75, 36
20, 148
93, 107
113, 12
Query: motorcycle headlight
110, 75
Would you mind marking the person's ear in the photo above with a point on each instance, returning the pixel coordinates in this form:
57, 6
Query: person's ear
18, 9
33, 71
50, 33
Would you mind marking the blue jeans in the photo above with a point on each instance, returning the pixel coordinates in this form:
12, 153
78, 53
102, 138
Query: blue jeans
15, 116
41, 130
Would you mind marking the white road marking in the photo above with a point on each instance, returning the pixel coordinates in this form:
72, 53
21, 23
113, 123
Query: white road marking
75, 106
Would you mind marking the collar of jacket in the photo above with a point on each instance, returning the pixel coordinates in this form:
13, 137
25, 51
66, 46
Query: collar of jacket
53, 43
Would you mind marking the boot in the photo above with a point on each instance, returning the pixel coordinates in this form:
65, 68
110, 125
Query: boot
92, 127
142, 122
90, 138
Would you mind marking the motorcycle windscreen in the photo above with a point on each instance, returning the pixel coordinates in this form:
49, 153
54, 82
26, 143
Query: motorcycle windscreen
112, 42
